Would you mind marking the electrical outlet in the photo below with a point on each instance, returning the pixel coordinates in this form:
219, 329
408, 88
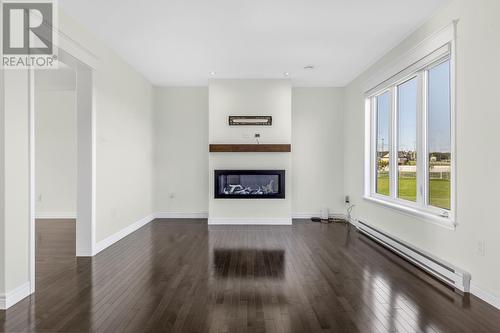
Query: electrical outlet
39, 198
481, 248
257, 135
347, 199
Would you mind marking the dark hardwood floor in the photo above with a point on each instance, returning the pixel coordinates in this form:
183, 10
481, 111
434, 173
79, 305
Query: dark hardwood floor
184, 276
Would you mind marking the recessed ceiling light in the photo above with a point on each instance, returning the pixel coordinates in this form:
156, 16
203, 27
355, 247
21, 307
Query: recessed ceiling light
309, 67
286, 74
212, 73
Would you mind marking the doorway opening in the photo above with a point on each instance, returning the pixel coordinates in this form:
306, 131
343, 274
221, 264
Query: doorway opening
62, 165
55, 169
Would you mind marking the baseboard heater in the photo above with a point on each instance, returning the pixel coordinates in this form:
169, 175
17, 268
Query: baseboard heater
449, 274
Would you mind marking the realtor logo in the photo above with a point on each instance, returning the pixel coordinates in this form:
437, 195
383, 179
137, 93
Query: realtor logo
28, 34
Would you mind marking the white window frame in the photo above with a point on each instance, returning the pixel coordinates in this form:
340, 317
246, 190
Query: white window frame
431, 52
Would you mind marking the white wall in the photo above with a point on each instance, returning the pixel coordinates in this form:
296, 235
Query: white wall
250, 97
317, 146
124, 136
181, 144
16, 180
478, 117
181, 141
55, 153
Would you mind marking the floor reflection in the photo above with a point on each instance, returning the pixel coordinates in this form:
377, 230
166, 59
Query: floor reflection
248, 263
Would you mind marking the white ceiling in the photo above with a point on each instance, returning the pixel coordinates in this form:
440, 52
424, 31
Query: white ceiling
179, 42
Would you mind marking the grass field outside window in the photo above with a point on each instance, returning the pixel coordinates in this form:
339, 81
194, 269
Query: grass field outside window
439, 189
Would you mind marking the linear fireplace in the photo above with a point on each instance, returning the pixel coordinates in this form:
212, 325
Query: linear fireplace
249, 184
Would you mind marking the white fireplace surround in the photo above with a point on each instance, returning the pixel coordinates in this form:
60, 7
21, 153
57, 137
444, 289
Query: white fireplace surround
250, 97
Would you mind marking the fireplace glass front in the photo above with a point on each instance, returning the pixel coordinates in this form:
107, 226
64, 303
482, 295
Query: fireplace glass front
249, 184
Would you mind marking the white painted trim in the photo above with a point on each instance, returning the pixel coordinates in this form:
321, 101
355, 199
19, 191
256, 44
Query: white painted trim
181, 215
93, 135
316, 214
107, 242
76, 49
12, 297
31, 181
249, 221
485, 296
305, 215
86, 148
204, 215
2, 174
55, 215
422, 49
414, 212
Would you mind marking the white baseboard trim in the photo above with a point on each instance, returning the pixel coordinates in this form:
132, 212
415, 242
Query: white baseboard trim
316, 214
249, 221
12, 297
107, 242
485, 296
55, 215
181, 215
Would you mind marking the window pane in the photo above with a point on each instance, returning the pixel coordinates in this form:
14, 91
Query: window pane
407, 140
383, 125
439, 135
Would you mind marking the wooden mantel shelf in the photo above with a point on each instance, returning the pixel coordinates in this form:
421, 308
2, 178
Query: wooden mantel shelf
250, 148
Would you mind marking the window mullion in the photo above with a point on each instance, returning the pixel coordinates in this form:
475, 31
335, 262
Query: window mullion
422, 163
373, 171
453, 120
393, 146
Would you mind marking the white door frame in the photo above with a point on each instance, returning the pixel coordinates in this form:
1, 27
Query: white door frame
84, 62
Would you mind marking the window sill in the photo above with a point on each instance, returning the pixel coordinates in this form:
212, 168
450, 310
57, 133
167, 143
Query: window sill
444, 222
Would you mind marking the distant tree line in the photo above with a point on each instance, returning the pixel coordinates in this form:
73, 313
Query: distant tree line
440, 157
